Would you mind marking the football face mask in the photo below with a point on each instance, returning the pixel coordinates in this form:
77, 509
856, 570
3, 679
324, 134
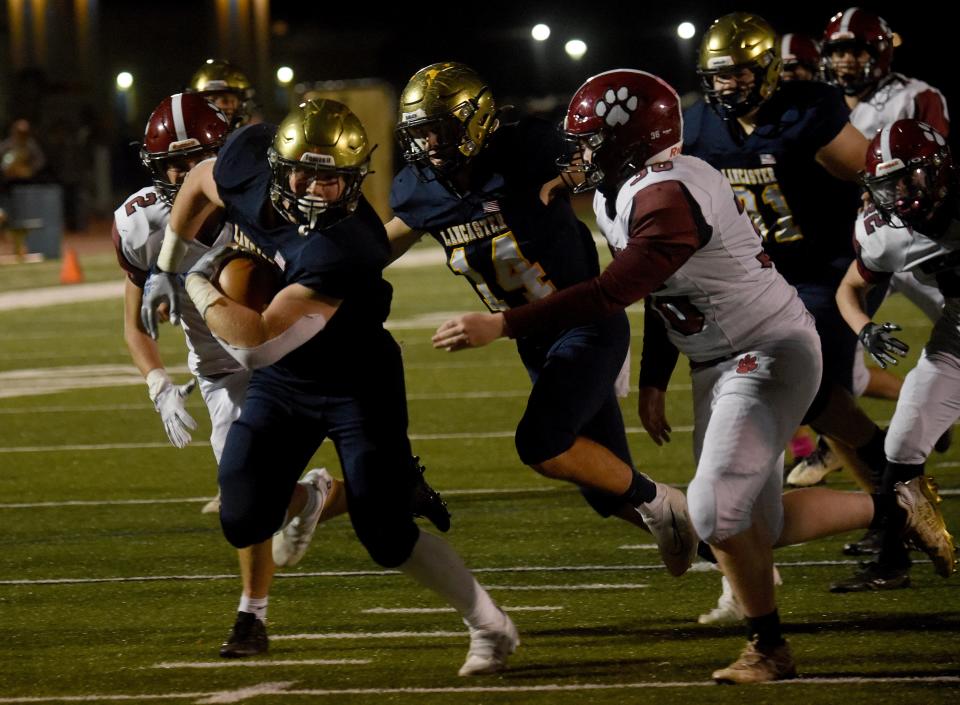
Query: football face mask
904, 197
313, 194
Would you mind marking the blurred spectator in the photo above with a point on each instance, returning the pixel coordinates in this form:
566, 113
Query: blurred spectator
21, 158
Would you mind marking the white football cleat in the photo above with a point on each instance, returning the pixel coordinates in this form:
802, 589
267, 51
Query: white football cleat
728, 609
291, 542
213, 506
667, 518
490, 648
814, 469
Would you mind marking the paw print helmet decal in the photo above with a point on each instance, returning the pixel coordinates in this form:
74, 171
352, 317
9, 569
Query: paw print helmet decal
617, 123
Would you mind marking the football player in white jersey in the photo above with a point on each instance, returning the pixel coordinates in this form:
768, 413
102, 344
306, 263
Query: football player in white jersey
681, 238
857, 56
911, 226
182, 131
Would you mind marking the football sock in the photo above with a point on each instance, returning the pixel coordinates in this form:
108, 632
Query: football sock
642, 490
434, 564
254, 605
765, 629
872, 454
899, 472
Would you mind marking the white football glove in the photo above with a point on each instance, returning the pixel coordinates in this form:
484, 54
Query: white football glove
169, 400
159, 287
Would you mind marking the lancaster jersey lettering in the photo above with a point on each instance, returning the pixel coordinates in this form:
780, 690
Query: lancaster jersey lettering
509, 246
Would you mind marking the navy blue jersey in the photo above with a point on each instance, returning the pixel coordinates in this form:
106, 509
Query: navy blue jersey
804, 214
511, 247
344, 261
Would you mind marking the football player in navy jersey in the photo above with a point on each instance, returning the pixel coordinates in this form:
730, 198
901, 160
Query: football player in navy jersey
323, 363
793, 158
486, 192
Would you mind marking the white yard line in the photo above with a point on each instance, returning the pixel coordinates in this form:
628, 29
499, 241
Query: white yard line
443, 610
385, 573
193, 500
239, 663
287, 689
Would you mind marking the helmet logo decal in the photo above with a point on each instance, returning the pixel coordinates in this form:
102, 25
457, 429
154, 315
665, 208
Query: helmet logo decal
615, 107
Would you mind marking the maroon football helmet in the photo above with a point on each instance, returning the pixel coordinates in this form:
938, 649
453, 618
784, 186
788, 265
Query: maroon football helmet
627, 119
855, 30
181, 131
799, 50
909, 174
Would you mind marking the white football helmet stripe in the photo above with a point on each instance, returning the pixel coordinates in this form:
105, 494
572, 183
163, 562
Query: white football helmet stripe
176, 107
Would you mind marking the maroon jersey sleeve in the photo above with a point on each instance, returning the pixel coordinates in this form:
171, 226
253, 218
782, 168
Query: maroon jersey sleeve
929, 108
134, 274
666, 228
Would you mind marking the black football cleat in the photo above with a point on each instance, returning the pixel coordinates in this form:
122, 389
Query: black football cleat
427, 502
873, 577
247, 638
867, 545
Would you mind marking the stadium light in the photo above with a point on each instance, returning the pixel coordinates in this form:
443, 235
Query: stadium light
686, 30
575, 48
540, 32
284, 75
124, 80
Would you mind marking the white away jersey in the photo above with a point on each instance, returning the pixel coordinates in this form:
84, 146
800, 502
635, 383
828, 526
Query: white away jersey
139, 226
896, 98
728, 296
885, 249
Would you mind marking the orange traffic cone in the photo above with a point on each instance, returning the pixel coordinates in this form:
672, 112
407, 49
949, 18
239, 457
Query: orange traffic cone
70, 272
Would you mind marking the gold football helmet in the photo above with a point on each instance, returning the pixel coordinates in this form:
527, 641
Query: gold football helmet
318, 159
226, 87
739, 52
447, 112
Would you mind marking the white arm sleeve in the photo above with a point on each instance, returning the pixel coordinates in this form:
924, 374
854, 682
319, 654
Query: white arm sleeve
272, 350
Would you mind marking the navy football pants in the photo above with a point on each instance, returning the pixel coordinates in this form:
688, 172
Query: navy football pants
280, 429
573, 377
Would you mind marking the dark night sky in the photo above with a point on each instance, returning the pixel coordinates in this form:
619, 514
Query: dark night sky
343, 40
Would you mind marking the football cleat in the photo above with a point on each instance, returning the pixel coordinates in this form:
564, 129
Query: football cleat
872, 577
212, 507
925, 528
427, 502
247, 638
490, 648
814, 469
728, 609
667, 518
867, 545
759, 665
291, 542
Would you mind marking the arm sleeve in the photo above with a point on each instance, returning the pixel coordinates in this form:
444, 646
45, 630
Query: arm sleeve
929, 106
659, 356
664, 233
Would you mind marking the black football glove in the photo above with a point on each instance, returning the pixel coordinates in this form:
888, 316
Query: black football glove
881, 345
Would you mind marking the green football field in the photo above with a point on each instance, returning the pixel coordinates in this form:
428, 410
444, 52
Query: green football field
114, 588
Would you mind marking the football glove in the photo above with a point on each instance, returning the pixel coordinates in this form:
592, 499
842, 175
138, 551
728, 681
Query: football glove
212, 261
881, 345
160, 287
169, 401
